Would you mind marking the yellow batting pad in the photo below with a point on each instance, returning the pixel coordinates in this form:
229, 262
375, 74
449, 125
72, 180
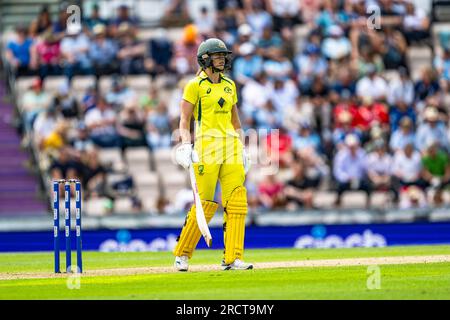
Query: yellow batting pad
234, 226
190, 234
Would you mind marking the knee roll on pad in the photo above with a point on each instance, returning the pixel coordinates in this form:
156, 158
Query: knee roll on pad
190, 234
234, 226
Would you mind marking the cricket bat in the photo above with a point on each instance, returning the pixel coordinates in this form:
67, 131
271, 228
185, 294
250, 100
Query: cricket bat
200, 215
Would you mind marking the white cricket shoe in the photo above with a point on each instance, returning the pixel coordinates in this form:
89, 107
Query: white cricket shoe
237, 265
181, 263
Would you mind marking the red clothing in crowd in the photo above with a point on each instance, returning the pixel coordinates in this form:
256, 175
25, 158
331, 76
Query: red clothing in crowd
377, 112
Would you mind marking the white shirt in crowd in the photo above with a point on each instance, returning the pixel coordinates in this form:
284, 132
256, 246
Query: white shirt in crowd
95, 116
285, 7
407, 169
375, 88
347, 167
400, 91
380, 164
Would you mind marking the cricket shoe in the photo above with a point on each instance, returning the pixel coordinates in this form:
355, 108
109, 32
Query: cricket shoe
237, 265
181, 263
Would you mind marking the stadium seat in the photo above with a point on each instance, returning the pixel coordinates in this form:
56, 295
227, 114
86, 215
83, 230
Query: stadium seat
145, 179
81, 83
138, 158
123, 206
23, 83
95, 207
164, 160
105, 84
52, 84
112, 156
139, 83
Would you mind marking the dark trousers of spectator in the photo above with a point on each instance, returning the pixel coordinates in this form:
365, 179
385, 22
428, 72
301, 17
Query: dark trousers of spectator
72, 69
364, 185
49, 70
104, 69
416, 36
132, 66
107, 140
389, 188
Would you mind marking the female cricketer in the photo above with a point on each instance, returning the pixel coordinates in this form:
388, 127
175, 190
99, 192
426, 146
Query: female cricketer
218, 154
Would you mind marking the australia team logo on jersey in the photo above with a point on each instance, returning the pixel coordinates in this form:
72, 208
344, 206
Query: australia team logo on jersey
228, 90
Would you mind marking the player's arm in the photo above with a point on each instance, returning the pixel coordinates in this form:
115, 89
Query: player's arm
237, 123
185, 121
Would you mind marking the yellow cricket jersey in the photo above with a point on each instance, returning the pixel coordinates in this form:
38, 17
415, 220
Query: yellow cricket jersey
212, 105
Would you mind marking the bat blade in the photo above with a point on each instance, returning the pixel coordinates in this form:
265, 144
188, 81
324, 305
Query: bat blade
199, 213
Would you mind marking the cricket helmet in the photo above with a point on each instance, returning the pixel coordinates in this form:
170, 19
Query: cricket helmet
209, 47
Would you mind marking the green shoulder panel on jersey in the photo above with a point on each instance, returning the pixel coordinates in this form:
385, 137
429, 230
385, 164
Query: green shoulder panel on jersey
227, 80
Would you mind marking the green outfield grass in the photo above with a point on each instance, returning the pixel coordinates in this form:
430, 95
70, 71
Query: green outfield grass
407, 281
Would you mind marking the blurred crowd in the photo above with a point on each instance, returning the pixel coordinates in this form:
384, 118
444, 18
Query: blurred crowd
341, 120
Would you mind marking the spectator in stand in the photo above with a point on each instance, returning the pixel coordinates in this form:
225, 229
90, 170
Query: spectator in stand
102, 52
279, 147
345, 105
399, 111
299, 190
94, 177
149, 101
45, 123
402, 136
159, 54
158, 127
310, 64
379, 169
244, 35
285, 13
442, 65
81, 143
131, 51
255, 95
336, 46
89, 99
283, 94
18, 52
343, 129
431, 130
372, 85
247, 65
258, 18
267, 117
271, 193
60, 26
407, 168
350, 169
436, 170
205, 22
184, 60
57, 139
416, 23
124, 18
41, 24
427, 85
47, 55
120, 93
413, 198
63, 166
101, 122
393, 48
34, 101
366, 59
95, 18
74, 50
67, 103
315, 167
306, 138
401, 96
131, 125
268, 42
371, 112
301, 111
278, 66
